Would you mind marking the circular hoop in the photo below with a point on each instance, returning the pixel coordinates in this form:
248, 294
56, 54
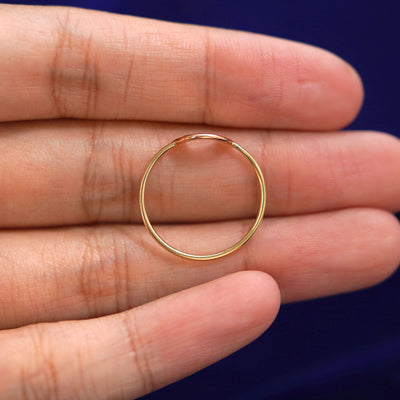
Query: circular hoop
238, 244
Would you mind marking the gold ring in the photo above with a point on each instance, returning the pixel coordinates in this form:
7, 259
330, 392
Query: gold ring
238, 244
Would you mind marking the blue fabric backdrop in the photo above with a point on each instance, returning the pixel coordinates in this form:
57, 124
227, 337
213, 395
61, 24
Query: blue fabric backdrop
343, 347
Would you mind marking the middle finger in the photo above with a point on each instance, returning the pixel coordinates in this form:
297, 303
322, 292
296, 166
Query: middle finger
76, 172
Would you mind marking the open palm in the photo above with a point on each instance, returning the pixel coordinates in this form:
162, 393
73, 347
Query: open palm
91, 306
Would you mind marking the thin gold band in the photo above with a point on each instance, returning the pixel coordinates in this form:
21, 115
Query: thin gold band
238, 244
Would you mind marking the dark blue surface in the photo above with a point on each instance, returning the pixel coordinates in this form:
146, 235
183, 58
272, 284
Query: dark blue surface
343, 347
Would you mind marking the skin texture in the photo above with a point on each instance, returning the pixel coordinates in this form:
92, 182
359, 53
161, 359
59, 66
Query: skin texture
90, 306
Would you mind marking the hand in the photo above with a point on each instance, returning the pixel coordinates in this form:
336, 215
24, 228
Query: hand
75, 85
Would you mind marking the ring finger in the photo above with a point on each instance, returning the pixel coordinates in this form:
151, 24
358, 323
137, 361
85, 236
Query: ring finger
84, 272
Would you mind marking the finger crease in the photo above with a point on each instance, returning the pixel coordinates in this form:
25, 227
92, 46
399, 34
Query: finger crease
141, 363
206, 114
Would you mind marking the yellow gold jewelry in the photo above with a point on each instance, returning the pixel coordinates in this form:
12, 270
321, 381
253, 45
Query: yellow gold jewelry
238, 244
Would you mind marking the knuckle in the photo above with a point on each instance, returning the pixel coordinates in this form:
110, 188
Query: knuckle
139, 356
277, 97
128, 82
39, 379
329, 184
207, 116
105, 271
108, 180
266, 146
73, 72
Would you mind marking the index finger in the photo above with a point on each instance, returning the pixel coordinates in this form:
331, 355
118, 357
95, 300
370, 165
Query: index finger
63, 62
125, 355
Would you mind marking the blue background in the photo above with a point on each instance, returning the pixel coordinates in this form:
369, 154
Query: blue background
342, 347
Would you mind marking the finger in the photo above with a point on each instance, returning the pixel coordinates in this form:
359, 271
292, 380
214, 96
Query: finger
77, 173
63, 62
127, 355
87, 272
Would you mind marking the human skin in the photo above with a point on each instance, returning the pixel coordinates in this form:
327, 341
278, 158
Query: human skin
90, 306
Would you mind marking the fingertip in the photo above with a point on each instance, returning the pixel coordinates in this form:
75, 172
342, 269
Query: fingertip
387, 229
341, 92
354, 94
375, 253
255, 298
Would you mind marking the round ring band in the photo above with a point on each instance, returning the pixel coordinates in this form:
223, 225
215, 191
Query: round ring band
238, 244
